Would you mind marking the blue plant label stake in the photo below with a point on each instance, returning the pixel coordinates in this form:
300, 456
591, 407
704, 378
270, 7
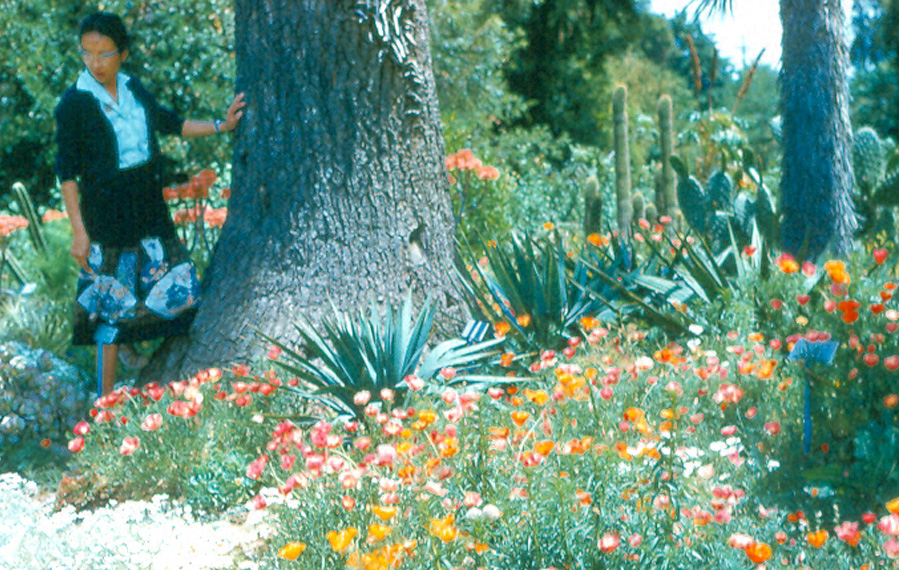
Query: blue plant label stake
475, 331
105, 334
821, 352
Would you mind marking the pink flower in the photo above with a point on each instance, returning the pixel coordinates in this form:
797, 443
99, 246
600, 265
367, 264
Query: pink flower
362, 398
82, 428
609, 542
891, 547
848, 532
435, 489
449, 396
414, 382
254, 469
386, 455
472, 499
76, 444
772, 427
152, 422
363, 443
129, 445
728, 430
635, 540
740, 540
889, 525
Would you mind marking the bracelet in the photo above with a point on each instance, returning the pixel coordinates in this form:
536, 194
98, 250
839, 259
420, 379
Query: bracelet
217, 124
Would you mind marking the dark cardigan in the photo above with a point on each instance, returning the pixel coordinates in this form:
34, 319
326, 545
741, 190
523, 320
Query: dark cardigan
87, 152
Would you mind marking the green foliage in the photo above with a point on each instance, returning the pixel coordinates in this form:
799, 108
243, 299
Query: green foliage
184, 55
373, 353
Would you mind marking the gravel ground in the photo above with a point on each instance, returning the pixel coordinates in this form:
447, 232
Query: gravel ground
156, 534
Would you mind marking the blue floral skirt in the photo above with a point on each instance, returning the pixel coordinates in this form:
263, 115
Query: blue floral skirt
146, 291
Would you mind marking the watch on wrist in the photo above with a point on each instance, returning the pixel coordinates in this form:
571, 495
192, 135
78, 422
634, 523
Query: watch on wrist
218, 125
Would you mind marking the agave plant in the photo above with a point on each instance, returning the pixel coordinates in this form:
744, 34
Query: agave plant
529, 288
371, 353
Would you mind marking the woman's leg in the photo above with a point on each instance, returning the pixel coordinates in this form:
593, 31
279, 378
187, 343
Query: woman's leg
110, 357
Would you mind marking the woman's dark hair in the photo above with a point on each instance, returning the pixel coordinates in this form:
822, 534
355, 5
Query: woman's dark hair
108, 25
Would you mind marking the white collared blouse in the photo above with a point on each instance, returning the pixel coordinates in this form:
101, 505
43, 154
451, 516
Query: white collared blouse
127, 117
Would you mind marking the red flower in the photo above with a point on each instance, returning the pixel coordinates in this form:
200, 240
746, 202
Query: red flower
880, 255
76, 444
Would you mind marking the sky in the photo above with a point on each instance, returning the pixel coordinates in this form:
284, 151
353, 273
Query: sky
754, 24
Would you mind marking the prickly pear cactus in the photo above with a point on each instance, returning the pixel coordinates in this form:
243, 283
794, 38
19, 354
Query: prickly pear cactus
719, 232
744, 213
867, 159
694, 203
720, 190
41, 397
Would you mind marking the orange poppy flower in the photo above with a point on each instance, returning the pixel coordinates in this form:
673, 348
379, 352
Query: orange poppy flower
544, 447
523, 320
758, 552
519, 417
502, 327
817, 538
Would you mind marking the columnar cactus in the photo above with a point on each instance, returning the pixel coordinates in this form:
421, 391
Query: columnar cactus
666, 194
622, 162
28, 211
639, 205
592, 207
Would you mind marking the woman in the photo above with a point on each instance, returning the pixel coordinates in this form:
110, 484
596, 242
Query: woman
136, 280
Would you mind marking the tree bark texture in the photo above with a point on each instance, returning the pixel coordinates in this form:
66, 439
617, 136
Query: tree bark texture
339, 191
817, 179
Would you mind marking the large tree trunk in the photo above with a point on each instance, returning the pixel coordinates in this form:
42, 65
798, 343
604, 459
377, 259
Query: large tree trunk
817, 174
339, 189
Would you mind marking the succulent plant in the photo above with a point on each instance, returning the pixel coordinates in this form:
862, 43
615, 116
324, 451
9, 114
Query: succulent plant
41, 396
592, 206
622, 161
867, 159
716, 213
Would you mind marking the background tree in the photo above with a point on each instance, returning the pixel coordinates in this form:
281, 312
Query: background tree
184, 55
875, 55
339, 192
817, 179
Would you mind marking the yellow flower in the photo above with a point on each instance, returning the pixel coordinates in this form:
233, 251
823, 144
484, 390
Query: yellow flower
444, 528
292, 550
341, 540
383, 513
378, 532
893, 506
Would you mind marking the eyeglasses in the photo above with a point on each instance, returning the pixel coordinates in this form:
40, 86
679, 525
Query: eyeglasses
87, 57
